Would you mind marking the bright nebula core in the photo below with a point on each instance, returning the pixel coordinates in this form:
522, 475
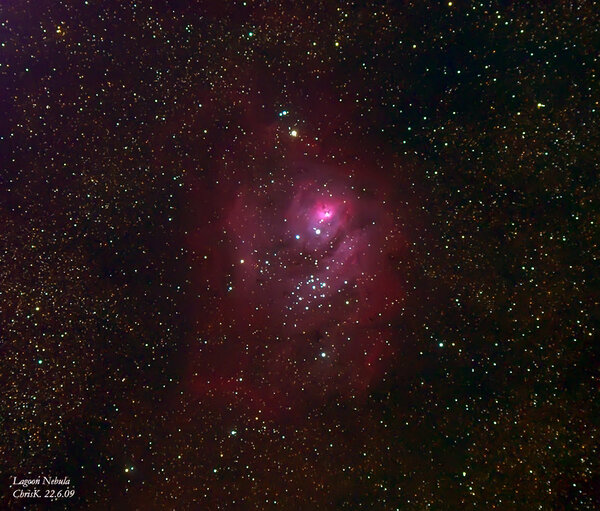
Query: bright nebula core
304, 287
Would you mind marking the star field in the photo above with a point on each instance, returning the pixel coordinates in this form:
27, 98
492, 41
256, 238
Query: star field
300, 255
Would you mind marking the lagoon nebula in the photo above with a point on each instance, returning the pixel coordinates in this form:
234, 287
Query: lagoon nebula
304, 285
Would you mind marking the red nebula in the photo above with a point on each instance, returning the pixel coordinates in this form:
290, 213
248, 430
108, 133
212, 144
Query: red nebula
297, 292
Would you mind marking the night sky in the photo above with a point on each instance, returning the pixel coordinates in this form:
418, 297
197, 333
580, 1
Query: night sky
300, 255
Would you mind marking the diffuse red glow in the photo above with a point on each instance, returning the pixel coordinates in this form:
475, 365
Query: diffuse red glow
304, 293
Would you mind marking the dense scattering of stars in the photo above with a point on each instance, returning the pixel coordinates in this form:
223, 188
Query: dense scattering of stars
300, 255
